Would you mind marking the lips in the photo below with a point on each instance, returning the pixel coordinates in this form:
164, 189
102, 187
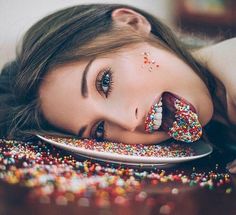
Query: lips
154, 119
176, 116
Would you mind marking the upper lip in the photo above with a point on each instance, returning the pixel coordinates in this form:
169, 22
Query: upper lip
156, 101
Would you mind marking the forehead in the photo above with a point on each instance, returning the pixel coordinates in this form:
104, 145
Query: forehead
60, 94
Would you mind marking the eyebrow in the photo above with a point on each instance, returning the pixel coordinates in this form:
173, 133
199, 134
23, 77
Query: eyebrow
84, 83
84, 92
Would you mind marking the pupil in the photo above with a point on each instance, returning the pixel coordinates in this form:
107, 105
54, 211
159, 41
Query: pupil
100, 128
99, 132
106, 80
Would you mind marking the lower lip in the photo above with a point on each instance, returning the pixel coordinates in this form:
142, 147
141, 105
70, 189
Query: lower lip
179, 118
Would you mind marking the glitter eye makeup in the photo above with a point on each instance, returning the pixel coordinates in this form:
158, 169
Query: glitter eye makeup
148, 61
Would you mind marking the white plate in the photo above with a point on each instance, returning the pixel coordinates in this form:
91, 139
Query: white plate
200, 149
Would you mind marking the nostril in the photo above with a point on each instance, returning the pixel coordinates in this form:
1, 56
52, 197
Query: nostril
136, 113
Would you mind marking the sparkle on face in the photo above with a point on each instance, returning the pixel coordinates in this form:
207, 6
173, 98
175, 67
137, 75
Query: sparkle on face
150, 62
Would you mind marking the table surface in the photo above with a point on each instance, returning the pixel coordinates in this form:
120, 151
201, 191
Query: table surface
37, 178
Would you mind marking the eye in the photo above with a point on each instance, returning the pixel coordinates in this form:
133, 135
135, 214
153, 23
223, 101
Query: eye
104, 82
99, 134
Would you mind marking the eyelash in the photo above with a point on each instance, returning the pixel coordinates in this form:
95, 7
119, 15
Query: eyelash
102, 136
106, 73
99, 82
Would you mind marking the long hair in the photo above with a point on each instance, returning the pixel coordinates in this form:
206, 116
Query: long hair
69, 35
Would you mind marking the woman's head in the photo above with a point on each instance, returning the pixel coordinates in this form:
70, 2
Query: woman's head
112, 42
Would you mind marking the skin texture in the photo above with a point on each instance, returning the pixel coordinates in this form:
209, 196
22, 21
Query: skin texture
134, 89
220, 59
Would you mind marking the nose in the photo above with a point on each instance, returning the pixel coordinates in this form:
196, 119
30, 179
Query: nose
127, 119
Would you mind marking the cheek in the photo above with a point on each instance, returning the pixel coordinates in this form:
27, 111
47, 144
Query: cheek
117, 134
138, 75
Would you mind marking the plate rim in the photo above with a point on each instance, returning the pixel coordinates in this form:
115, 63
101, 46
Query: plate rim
127, 158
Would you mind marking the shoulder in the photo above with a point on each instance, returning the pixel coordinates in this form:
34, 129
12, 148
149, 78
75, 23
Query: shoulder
220, 59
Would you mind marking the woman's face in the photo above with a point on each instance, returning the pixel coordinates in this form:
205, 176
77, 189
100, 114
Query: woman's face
111, 96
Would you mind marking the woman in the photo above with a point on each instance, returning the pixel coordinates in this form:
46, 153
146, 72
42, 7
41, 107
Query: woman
115, 72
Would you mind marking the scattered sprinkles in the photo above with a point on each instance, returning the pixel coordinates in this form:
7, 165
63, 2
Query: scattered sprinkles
158, 150
186, 127
53, 176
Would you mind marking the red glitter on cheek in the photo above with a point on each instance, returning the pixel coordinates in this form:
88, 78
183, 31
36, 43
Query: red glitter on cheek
149, 62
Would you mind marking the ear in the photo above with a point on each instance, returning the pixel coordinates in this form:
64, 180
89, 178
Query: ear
128, 17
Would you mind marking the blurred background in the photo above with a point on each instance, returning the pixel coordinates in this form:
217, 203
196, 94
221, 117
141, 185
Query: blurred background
203, 20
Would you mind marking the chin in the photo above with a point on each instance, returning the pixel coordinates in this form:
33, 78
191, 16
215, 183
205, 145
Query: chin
204, 120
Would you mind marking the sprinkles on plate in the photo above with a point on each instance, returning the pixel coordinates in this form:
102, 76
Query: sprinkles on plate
158, 150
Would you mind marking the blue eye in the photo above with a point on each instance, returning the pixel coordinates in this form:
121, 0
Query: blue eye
104, 82
104, 87
99, 133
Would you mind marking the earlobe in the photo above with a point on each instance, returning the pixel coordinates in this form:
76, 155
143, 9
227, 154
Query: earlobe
128, 17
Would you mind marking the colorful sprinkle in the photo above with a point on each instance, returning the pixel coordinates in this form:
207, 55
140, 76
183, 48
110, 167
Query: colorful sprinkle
158, 150
186, 127
51, 175
149, 124
149, 62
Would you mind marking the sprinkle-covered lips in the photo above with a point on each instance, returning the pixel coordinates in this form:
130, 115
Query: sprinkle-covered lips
154, 118
176, 116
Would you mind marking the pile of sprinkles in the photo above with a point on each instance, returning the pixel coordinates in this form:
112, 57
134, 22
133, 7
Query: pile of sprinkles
54, 176
171, 149
186, 127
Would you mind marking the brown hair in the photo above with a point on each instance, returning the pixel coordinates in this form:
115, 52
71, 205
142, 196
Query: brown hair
73, 34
